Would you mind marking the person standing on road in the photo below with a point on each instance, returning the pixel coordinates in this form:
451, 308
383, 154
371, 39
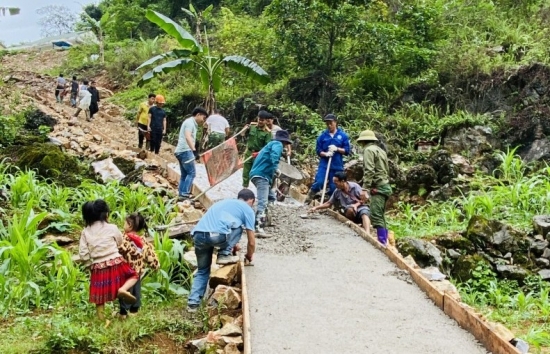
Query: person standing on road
60, 84
186, 150
257, 137
142, 119
376, 181
331, 146
265, 167
74, 91
222, 227
156, 124
218, 129
94, 104
348, 197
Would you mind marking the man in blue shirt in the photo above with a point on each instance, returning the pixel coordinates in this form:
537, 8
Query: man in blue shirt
185, 151
331, 145
157, 124
222, 227
263, 170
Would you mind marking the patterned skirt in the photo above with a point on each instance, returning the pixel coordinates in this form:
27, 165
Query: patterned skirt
107, 277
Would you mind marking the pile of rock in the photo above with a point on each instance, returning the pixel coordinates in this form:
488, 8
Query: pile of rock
511, 253
224, 303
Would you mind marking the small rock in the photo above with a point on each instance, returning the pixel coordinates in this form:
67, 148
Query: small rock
221, 320
541, 224
225, 276
233, 340
231, 348
453, 254
521, 345
230, 329
502, 331
539, 237
86, 130
60, 240
542, 262
191, 258
97, 138
227, 296
507, 256
545, 274
546, 253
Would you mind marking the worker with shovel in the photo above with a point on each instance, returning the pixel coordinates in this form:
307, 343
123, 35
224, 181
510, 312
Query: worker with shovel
265, 167
331, 147
349, 200
376, 181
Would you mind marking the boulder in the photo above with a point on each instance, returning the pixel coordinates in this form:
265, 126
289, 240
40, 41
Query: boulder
545, 274
542, 262
546, 253
463, 165
421, 176
538, 247
455, 241
443, 166
464, 265
538, 150
487, 234
541, 225
221, 320
474, 141
513, 272
224, 276
191, 258
423, 252
452, 254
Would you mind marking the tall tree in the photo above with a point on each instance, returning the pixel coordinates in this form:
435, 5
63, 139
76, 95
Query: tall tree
56, 20
98, 29
193, 56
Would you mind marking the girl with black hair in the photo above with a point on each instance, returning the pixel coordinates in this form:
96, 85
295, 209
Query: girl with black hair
111, 276
138, 253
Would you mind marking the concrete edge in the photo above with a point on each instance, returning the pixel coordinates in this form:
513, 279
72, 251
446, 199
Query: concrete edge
463, 315
246, 311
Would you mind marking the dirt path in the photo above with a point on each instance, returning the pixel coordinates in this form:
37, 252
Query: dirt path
319, 288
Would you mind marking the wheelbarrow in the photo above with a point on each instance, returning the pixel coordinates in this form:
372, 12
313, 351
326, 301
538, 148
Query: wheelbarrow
289, 174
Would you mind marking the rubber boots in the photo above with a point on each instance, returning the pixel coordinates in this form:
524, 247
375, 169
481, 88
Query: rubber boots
382, 235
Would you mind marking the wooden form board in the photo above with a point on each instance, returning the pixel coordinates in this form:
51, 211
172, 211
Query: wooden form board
465, 317
246, 311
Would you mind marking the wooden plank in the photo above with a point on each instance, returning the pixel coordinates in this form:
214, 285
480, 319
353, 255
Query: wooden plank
246, 311
480, 329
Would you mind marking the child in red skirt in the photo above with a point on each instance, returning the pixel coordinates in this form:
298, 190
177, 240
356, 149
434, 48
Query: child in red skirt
111, 276
138, 253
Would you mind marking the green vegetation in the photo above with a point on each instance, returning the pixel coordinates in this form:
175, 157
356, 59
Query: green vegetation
41, 284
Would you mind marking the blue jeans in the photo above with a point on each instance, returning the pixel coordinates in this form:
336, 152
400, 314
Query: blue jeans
204, 248
187, 172
262, 194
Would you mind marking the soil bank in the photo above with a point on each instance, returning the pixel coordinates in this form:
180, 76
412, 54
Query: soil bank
317, 287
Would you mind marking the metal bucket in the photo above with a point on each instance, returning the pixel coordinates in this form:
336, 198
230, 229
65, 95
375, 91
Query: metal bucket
290, 172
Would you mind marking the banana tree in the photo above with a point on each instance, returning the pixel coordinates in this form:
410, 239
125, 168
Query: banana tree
98, 29
192, 55
197, 18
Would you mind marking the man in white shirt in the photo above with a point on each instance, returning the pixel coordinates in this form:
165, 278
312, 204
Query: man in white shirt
218, 130
273, 127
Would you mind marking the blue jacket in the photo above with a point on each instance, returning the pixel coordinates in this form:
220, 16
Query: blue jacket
341, 140
267, 161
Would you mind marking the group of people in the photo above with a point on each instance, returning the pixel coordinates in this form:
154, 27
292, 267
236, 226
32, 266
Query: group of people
84, 97
364, 204
116, 261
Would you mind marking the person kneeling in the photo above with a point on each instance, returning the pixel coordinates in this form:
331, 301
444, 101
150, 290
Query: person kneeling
348, 195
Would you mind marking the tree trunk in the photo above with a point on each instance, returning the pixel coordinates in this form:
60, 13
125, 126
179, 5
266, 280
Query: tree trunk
101, 47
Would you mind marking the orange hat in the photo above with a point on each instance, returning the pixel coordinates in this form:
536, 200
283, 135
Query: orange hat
160, 99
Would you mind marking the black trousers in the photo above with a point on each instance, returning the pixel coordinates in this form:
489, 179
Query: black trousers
156, 140
94, 108
133, 308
